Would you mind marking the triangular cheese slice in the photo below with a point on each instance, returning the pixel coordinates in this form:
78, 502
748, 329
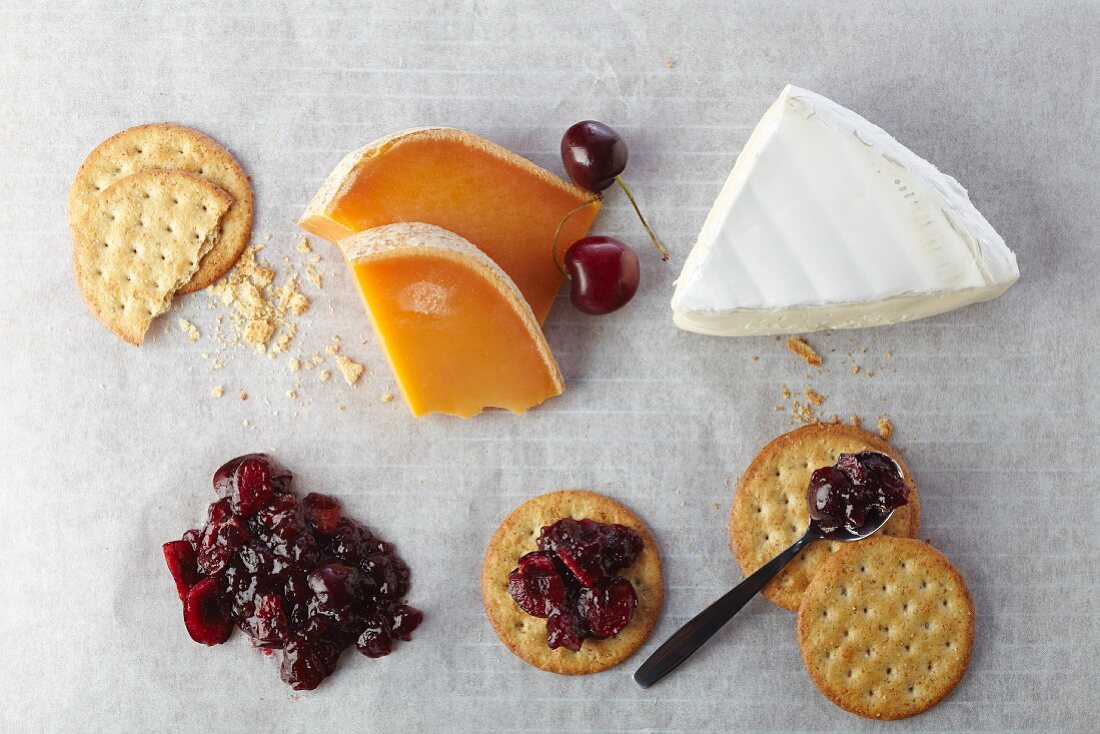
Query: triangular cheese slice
501, 202
457, 333
827, 222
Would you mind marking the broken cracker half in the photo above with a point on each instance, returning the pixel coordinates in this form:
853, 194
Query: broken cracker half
143, 239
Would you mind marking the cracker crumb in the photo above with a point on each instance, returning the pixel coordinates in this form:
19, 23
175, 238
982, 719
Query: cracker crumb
304, 246
342, 407
258, 332
834, 419
670, 64
855, 420
870, 373
786, 391
190, 329
387, 398
756, 358
889, 354
325, 374
244, 396
855, 369
799, 346
885, 427
294, 364
814, 397
218, 390
802, 413
317, 359
350, 369
259, 312
299, 304
714, 505
282, 342
313, 277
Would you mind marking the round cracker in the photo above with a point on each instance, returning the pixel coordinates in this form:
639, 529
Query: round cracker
525, 635
886, 627
769, 505
171, 147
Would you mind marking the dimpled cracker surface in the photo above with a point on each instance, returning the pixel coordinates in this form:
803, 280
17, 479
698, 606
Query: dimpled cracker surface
172, 147
769, 505
143, 238
525, 635
886, 627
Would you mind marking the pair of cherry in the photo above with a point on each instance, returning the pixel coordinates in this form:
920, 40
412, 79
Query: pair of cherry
603, 270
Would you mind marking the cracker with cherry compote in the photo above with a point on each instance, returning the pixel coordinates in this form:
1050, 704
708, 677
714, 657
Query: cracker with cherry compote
770, 510
886, 627
171, 147
524, 634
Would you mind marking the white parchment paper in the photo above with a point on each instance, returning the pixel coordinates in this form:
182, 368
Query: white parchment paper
107, 450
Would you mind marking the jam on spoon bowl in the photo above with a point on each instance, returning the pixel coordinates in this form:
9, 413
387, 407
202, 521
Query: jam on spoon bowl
702, 627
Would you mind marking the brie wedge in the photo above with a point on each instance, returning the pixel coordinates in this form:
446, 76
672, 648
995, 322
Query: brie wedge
827, 222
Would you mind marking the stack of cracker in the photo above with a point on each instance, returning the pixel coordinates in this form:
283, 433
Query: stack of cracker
885, 625
155, 210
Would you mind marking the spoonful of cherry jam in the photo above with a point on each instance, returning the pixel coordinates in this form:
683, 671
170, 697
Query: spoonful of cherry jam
848, 501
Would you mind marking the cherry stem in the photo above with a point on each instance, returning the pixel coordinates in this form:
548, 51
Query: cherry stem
557, 232
656, 242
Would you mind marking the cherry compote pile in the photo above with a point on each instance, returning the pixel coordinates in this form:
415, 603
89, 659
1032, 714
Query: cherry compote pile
859, 487
571, 581
294, 575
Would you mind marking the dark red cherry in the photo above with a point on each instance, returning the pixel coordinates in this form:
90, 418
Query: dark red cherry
203, 614
267, 625
375, 640
593, 154
536, 585
603, 272
608, 606
183, 562
248, 481
322, 512
302, 666
565, 629
337, 587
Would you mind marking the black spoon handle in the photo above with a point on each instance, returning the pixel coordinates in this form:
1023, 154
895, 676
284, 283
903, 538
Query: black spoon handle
701, 628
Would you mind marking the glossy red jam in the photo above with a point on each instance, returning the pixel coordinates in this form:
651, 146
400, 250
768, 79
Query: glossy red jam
571, 581
294, 575
858, 488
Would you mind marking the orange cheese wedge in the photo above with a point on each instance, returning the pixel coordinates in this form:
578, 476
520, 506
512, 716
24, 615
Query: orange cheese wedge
501, 202
457, 333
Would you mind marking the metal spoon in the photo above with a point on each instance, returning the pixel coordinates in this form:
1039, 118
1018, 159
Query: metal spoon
695, 633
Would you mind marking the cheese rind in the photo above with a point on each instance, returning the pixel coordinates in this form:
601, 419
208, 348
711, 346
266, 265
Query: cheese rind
455, 329
827, 222
501, 202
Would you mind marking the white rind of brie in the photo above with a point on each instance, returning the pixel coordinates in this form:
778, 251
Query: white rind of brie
828, 222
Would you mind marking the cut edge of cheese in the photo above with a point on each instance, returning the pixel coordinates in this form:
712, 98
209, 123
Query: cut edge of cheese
852, 315
316, 219
729, 300
416, 239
